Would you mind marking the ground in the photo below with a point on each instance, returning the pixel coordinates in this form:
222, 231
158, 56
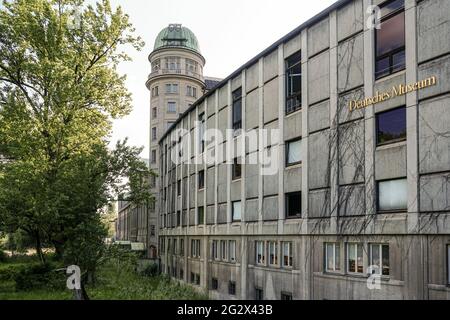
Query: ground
114, 282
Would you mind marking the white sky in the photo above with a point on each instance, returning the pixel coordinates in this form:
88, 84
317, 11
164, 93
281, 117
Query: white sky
230, 33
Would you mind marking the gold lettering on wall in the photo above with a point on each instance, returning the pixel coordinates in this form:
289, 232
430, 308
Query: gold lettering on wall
396, 91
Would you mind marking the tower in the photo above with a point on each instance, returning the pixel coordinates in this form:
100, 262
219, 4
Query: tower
176, 81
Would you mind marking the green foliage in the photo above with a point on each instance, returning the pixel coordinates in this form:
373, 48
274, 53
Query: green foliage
38, 276
2, 256
151, 270
59, 92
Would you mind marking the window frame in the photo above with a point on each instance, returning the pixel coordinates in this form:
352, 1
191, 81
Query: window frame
287, 207
273, 245
377, 128
392, 53
232, 288
263, 253
233, 211
223, 250
234, 170
356, 244
298, 94
336, 267
380, 247
236, 98
232, 251
288, 164
290, 254
215, 250
201, 214
154, 133
379, 210
171, 103
201, 180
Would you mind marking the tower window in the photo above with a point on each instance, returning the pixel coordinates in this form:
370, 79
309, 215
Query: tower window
171, 107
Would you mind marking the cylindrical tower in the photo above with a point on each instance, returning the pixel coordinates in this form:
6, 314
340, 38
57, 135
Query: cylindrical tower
176, 81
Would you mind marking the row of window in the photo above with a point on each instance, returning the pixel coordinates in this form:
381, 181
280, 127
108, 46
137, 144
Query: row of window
270, 249
172, 88
378, 258
223, 250
356, 254
174, 64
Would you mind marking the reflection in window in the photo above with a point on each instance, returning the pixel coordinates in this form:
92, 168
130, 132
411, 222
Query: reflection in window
390, 39
355, 258
379, 259
332, 257
293, 82
391, 126
294, 152
392, 195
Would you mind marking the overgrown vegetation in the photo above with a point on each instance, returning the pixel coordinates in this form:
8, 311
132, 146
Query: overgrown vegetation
117, 279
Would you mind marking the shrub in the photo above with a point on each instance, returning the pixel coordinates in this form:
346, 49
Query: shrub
151, 270
38, 276
3, 256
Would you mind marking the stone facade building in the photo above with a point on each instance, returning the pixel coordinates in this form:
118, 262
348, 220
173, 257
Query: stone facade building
358, 204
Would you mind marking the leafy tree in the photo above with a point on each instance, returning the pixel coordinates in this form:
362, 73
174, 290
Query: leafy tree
59, 92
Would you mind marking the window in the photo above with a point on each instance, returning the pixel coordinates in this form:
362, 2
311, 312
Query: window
259, 294
223, 250
287, 254
237, 169
293, 205
153, 156
293, 152
201, 179
152, 230
195, 248
214, 284
181, 273
232, 288
390, 39
273, 253
379, 259
154, 137
173, 63
293, 83
178, 218
198, 248
191, 91
448, 264
154, 113
171, 107
197, 279
332, 257
392, 195
179, 188
286, 296
192, 278
191, 65
232, 250
355, 258
156, 65
171, 88
201, 215
236, 211
182, 247
175, 251
215, 250
391, 126
155, 91
201, 132
260, 254
237, 109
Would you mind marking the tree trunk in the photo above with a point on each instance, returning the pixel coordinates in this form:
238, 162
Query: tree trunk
39, 248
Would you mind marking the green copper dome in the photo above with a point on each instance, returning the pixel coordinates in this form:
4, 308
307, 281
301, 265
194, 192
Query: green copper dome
177, 36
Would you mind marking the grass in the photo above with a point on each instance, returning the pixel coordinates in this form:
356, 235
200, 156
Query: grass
115, 281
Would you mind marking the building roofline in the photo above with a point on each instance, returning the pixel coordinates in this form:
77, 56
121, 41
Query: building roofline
338, 4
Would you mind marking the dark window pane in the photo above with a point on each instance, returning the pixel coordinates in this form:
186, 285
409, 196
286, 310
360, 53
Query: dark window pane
391, 36
385, 260
398, 61
293, 82
391, 126
391, 7
293, 204
237, 109
237, 169
383, 67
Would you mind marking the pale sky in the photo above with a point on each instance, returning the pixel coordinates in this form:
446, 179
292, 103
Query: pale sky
230, 32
